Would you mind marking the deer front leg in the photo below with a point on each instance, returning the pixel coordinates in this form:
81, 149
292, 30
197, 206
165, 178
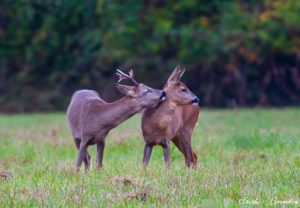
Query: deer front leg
147, 153
81, 155
100, 150
166, 146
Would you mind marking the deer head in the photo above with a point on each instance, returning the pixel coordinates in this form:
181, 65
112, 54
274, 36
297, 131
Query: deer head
177, 91
145, 96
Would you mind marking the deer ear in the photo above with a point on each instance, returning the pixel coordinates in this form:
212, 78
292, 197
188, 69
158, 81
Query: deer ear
127, 90
175, 76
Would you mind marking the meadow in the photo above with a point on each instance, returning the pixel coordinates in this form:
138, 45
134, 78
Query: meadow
246, 158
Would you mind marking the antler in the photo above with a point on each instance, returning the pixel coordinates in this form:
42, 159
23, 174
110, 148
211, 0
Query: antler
123, 76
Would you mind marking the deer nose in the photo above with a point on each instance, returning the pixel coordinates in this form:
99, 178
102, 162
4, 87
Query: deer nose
195, 101
162, 96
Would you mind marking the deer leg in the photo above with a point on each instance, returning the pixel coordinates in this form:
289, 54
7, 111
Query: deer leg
189, 158
77, 142
166, 147
194, 159
81, 155
147, 153
184, 143
186, 153
182, 148
100, 150
87, 157
177, 142
86, 161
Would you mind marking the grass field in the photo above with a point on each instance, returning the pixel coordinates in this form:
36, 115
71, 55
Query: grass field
246, 158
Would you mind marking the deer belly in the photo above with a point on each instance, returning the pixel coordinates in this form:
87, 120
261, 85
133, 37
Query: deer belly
158, 131
159, 135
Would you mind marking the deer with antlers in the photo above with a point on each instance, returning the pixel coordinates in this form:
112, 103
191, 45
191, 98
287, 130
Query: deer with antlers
173, 119
90, 118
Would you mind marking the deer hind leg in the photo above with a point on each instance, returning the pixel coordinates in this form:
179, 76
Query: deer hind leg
87, 157
194, 158
100, 150
147, 153
183, 143
183, 148
178, 144
189, 154
166, 147
87, 161
77, 142
187, 151
82, 154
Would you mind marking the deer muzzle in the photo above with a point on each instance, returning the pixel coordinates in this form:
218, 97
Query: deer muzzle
195, 101
162, 96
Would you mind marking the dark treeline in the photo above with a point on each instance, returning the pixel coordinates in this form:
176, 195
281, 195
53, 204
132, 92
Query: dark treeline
236, 52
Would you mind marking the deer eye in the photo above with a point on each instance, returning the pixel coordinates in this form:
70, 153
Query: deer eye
183, 90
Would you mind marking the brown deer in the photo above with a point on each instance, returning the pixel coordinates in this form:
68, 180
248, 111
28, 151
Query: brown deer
90, 118
173, 119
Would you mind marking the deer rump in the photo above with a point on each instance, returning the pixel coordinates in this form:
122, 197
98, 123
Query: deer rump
80, 108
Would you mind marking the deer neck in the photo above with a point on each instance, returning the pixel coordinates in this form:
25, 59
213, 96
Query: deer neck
166, 108
162, 115
122, 109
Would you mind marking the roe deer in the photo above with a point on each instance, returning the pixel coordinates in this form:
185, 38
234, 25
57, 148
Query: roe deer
90, 118
173, 119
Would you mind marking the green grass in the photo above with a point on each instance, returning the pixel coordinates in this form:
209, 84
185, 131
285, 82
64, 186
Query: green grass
242, 155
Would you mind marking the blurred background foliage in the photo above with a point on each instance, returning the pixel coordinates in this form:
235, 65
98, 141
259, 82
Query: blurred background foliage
236, 52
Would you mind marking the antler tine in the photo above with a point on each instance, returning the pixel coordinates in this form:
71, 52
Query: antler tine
123, 76
120, 74
131, 74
